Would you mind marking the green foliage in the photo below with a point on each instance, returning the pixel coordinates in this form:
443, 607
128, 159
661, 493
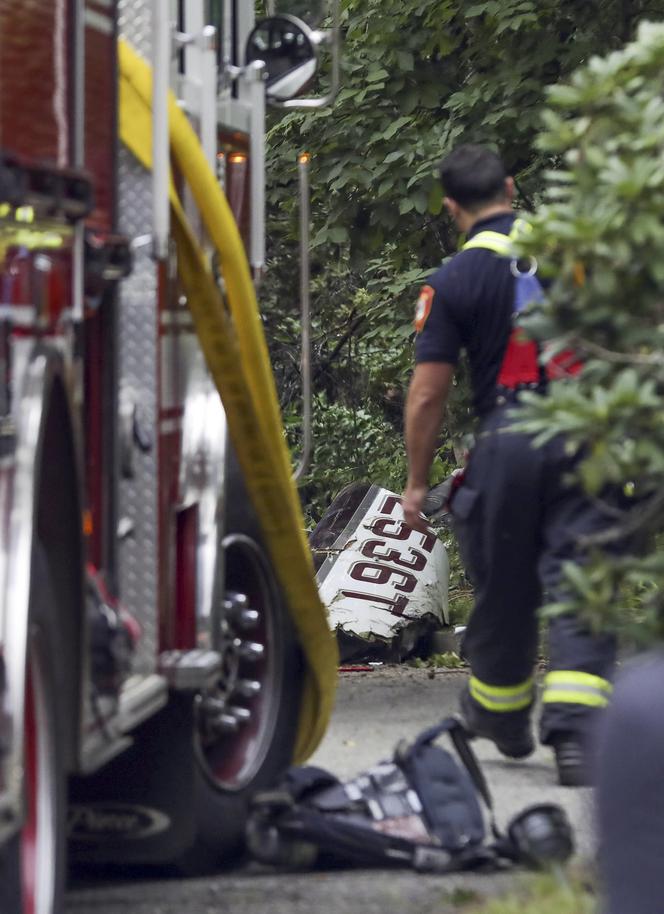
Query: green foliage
600, 237
418, 78
541, 894
351, 444
449, 660
460, 590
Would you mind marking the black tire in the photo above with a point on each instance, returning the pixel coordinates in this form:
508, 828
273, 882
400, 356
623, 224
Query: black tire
222, 807
35, 859
222, 790
222, 802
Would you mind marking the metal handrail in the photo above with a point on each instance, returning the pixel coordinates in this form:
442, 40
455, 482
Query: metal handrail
305, 304
207, 42
254, 74
161, 63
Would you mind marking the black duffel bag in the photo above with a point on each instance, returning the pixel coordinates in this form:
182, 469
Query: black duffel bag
421, 809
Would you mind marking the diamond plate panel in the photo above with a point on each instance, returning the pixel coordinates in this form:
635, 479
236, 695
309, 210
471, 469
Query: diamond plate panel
135, 24
138, 365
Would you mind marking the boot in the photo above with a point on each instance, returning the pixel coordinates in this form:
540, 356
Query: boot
511, 733
572, 763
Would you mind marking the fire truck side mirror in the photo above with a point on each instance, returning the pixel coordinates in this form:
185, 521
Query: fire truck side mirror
289, 49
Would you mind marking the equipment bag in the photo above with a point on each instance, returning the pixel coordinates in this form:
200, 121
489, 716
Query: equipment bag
527, 288
522, 364
421, 809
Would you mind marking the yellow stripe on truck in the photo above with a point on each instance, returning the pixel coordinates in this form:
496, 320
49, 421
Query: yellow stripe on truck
237, 357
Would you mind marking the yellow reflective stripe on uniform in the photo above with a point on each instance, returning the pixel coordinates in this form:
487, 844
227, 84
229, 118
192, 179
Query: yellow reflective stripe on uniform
491, 241
573, 687
502, 698
568, 695
498, 242
566, 677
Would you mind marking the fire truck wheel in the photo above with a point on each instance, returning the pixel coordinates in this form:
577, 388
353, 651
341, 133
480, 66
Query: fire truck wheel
33, 868
246, 728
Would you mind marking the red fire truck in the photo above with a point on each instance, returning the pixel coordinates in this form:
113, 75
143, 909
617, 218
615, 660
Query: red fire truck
163, 652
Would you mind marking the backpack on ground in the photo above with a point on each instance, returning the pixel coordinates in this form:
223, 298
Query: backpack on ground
421, 809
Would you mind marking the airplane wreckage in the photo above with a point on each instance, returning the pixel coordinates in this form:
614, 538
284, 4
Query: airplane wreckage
385, 584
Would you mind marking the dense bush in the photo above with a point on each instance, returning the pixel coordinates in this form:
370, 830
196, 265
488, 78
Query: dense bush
600, 237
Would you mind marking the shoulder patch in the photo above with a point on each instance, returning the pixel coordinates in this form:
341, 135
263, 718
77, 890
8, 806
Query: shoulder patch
423, 308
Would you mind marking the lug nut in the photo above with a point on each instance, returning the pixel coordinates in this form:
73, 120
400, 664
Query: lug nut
247, 688
248, 618
248, 650
211, 706
241, 715
235, 602
225, 723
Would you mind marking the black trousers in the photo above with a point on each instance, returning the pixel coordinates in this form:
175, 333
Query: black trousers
518, 520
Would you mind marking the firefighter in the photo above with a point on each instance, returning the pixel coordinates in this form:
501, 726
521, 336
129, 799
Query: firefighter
517, 517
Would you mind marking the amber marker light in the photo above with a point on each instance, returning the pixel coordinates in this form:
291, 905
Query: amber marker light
88, 526
237, 158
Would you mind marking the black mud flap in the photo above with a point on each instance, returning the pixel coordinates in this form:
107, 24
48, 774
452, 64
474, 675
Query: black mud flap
138, 809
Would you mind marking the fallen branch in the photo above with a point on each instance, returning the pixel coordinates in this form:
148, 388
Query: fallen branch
608, 355
638, 518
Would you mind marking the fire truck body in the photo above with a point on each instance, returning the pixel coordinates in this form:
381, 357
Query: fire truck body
148, 662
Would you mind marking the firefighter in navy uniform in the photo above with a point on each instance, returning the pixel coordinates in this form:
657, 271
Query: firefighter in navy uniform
517, 517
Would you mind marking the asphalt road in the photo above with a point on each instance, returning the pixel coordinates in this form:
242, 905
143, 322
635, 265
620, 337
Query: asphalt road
374, 710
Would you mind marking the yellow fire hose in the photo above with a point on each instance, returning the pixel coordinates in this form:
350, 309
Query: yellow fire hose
237, 357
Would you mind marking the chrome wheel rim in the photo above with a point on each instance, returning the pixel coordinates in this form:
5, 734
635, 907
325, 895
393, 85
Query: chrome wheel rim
236, 720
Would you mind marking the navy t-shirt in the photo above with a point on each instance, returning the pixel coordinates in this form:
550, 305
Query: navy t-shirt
467, 304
